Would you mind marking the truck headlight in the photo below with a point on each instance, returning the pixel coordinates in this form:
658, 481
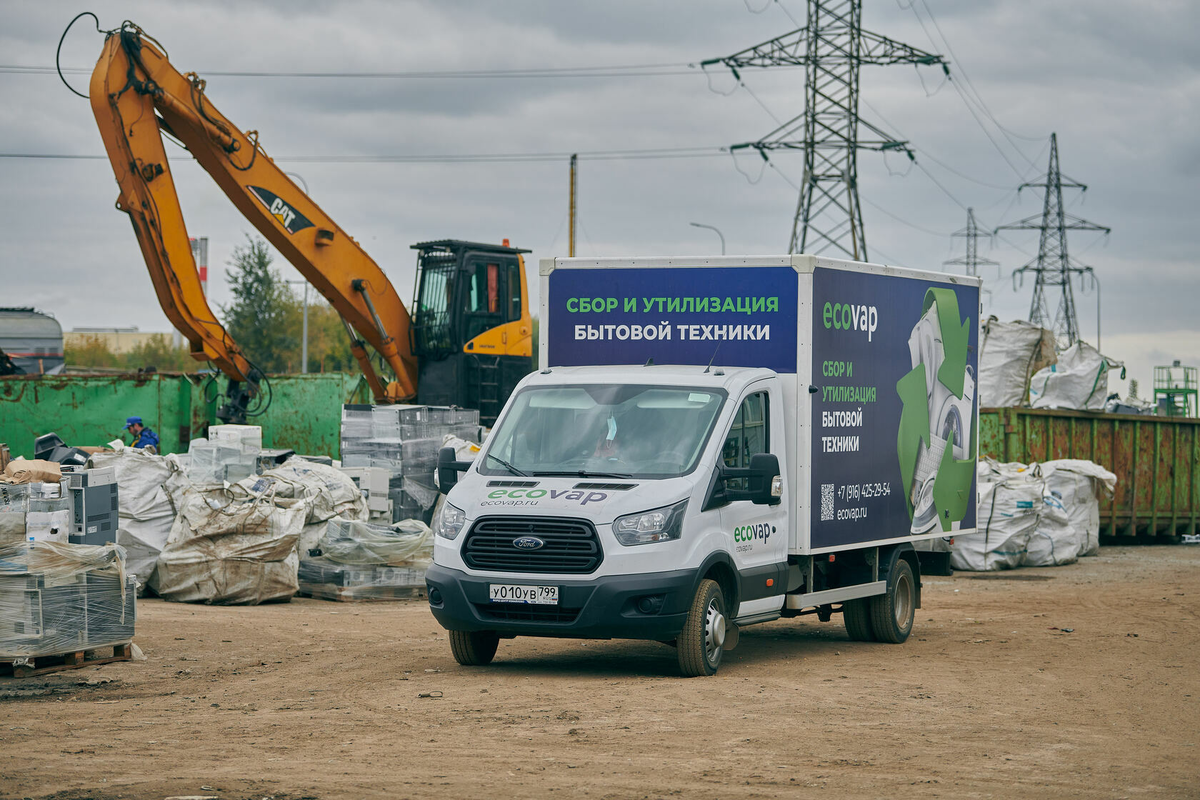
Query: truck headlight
449, 522
647, 527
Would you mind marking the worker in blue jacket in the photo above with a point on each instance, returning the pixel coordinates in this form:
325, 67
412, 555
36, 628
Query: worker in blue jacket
142, 436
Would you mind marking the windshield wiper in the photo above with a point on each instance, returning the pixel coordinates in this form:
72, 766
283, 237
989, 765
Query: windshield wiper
583, 473
507, 466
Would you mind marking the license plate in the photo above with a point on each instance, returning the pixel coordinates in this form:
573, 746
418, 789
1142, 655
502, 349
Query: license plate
514, 593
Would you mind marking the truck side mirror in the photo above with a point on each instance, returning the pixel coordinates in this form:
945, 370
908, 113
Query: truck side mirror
448, 467
762, 481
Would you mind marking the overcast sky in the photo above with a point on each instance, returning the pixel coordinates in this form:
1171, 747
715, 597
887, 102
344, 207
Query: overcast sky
1119, 82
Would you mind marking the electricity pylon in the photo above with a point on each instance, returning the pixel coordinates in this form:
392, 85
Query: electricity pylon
1053, 267
831, 47
971, 259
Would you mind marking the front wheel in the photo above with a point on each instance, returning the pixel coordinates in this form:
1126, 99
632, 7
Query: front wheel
474, 648
702, 641
892, 612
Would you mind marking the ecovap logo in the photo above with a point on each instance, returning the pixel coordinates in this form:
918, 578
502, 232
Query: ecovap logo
748, 533
291, 219
844, 317
528, 543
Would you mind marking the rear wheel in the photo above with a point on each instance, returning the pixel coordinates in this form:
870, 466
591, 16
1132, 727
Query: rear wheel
474, 648
702, 641
892, 612
856, 614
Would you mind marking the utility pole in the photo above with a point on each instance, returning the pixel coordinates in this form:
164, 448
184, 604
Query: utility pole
971, 259
832, 47
1053, 267
571, 211
304, 335
304, 331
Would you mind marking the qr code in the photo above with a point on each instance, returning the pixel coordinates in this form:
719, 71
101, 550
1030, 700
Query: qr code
826, 501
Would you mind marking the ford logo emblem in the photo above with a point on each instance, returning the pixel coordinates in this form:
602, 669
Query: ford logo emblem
528, 543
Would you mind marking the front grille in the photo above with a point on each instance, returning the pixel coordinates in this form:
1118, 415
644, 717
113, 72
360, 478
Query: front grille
519, 613
571, 545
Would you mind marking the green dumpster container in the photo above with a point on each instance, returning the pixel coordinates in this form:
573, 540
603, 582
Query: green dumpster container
1156, 461
304, 412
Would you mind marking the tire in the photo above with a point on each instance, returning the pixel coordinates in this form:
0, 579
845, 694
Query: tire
892, 612
473, 648
856, 614
701, 642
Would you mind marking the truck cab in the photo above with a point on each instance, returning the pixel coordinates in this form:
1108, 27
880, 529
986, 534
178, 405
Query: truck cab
675, 502
594, 473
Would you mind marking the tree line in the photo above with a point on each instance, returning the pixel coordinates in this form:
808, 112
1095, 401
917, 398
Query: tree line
265, 318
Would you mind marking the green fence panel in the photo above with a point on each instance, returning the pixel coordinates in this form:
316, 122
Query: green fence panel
91, 410
304, 413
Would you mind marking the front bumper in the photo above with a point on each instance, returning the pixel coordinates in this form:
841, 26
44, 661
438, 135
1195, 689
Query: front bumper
606, 607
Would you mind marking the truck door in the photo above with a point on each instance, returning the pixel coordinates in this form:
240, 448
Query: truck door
759, 532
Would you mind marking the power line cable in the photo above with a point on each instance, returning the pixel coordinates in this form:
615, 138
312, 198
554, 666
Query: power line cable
890, 259
902, 221
64, 156
614, 71
959, 173
878, 207
583, 228
561, 224
900, 135
970, 83
975, 97
470, 158
770, 113
966, 101
783, 8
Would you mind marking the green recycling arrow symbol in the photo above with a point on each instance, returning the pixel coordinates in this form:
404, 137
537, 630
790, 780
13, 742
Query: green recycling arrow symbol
952, 483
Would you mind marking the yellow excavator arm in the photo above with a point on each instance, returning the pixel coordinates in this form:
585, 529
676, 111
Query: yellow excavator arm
136, 95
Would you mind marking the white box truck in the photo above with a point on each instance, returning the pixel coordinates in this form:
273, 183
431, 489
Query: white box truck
712, 443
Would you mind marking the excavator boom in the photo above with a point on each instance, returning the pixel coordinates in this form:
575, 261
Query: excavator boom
136, 95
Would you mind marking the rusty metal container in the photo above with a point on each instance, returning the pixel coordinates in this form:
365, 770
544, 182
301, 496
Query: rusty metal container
1156, 461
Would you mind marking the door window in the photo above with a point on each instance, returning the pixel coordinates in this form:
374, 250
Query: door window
750, 434
482, 297
514, 292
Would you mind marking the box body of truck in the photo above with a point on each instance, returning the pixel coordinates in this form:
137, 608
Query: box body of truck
799, 421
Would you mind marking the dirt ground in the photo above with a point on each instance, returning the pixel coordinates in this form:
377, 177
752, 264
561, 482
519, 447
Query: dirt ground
1072, 681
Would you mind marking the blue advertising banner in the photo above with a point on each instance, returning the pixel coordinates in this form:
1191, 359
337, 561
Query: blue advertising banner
742, 316
894, 417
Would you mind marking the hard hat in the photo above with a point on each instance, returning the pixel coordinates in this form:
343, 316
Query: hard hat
133, 421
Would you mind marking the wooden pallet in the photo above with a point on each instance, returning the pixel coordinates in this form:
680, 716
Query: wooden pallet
58, 662
359, 594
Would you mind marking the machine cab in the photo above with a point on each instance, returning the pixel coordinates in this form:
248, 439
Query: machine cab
471, 324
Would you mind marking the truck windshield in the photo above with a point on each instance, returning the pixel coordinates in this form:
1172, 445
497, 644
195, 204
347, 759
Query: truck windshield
604, 430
